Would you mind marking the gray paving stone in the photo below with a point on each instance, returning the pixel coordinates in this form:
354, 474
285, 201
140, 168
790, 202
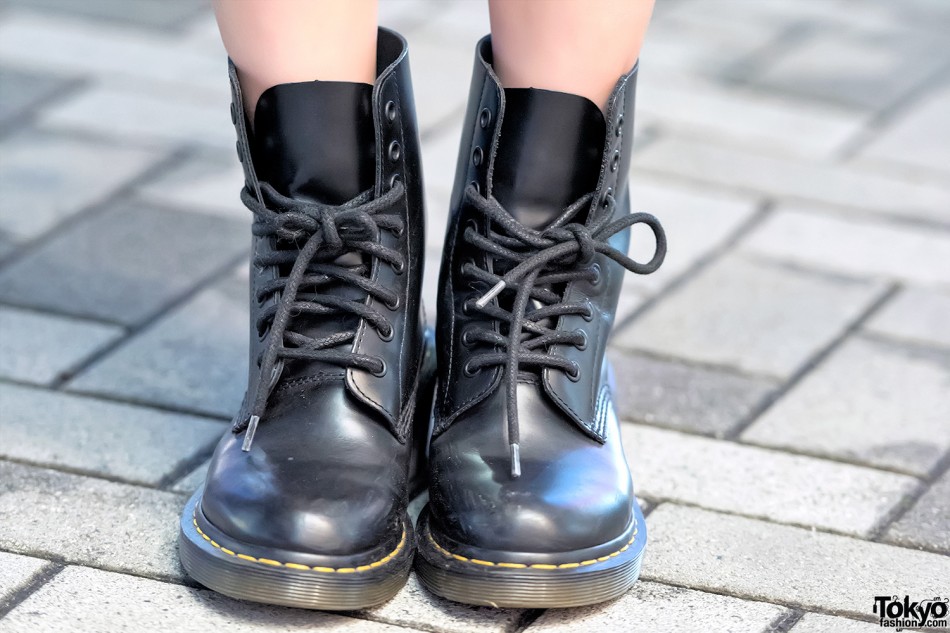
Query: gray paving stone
744, 118
194, 357
796, 179
854, 68
143, 61
407, 15
460, 22
156, 118
754, 317
46, 179
441, 74
917, 315
697, 220
15, 572
23, 91
124, 263
207, 182
861, 247
778, 563
89, 521
684, 397
927, 524
871, 402
650, 607
99, 602
917, 139
820, 623
761, 483
416, 607
39, 348
117, 440
192, 481
632, 298
148, 13
689, 40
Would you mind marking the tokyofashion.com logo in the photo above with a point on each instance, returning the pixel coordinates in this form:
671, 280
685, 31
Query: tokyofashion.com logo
898, 614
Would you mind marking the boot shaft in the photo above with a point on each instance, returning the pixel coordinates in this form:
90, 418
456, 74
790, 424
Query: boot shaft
489, 159
298, 152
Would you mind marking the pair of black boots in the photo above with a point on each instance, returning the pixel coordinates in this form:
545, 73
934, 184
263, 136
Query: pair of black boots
351, 408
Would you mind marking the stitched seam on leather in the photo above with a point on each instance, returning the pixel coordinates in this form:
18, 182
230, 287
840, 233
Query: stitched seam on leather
546, 566
361, 332
329, 570
318, 378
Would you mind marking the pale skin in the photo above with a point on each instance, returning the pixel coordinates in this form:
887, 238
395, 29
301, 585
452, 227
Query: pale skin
576, 46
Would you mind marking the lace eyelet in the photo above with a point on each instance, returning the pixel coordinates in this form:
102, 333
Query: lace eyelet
398, 232
468, 371
233, 114
484, 118
619, 130
393, 180
607, 196
399, 267
468, 307
615, 162
477, 156
575, 375
388, 336
589, 316
478, 189
583, 345
395, 304
390, 111
467, 338
382, 371
395, 151
597, 275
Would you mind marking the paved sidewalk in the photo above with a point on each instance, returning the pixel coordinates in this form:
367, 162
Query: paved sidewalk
787, 402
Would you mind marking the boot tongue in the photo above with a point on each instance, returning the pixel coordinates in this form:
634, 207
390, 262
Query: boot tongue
315, 140
549, 153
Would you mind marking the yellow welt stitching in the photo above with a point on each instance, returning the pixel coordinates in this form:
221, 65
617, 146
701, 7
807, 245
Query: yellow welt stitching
274, 563
476, 561
268, 561
297, 566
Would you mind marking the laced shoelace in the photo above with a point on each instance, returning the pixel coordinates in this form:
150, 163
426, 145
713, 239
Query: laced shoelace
537, 262
327, 233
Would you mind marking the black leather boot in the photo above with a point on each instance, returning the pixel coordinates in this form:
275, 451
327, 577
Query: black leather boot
531, 502
305, 500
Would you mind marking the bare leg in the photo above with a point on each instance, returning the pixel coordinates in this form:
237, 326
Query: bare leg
283, 41
575, 46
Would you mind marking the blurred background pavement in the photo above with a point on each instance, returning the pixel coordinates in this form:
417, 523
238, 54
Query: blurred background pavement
785, 377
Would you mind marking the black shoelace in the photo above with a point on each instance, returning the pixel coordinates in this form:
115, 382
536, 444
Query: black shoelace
327, 234
537, 263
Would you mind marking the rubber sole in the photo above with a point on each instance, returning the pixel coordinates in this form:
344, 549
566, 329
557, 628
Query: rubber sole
293, 584
491, 581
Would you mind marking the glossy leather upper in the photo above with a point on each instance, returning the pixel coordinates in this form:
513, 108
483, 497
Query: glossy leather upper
575, 489
328, 471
